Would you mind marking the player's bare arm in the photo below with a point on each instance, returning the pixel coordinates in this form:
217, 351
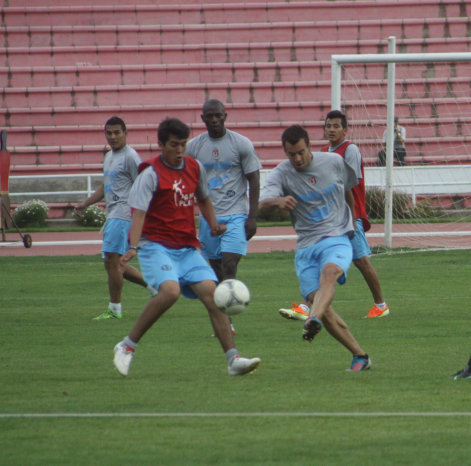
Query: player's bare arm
138, 217
254, 194
97, 196
351, 203
284, 203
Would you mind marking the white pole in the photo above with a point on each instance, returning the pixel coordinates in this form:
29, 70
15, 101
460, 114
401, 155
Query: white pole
402, 57
388, 208
335, 91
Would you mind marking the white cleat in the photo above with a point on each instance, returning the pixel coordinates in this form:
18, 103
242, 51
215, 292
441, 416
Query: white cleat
122, 358
293, 314
241, 366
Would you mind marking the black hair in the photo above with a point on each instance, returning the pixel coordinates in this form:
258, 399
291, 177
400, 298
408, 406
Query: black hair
214, 102
172, 126
293, 134
336, 114
116, 121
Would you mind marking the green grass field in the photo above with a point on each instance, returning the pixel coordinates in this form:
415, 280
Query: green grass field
62, 402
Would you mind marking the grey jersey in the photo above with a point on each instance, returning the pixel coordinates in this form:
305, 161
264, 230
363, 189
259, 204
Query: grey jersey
119, 171
227, 161
147, 183
352, 158
321, 210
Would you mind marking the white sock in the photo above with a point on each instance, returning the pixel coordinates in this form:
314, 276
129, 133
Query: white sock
116, 308
152, 290
128, 342
231, 355
304, 307
381, 305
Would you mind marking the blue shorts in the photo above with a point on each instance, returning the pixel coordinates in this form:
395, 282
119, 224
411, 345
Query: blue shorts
310, 261
185, 266
359, 243
115, 236
233, 240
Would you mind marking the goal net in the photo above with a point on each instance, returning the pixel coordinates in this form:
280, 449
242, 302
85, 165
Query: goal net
427, 201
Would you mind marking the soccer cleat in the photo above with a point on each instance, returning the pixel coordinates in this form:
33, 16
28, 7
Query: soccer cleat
295, 313
241, 366
464, 373
122, 358
108, 314
360, 363
312, 327
375, 311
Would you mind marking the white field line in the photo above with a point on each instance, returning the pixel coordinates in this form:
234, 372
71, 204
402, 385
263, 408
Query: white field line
231, 415
255, 238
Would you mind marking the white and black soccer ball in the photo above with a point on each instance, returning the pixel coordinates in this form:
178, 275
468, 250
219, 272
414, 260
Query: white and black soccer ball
232, 296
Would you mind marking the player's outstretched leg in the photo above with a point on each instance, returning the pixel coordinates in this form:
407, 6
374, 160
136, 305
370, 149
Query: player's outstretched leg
464, 373
312, 327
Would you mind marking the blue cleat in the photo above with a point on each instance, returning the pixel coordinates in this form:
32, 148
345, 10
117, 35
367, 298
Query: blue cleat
360, 363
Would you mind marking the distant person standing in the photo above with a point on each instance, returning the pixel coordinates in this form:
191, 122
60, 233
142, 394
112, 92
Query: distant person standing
399, 145
233, 170
119, 171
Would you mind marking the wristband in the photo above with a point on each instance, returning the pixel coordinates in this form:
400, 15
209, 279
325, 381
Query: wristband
136, 248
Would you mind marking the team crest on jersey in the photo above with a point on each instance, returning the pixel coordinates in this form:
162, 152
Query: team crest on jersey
215, 153
312, 180
181, 199
230, 193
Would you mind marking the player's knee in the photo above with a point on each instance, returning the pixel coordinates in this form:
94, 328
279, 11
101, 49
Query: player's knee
169, 289
111, 261
229, 266
331, 273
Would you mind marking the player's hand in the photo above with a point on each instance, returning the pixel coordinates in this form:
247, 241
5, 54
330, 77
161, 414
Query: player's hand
287, 203
218, 230
79, 210
125, 258
250, 227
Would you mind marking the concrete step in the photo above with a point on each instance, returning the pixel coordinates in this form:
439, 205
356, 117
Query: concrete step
122, 12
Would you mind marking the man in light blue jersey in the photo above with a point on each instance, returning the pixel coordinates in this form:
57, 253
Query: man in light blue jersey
313, 187
119, 172
233, 170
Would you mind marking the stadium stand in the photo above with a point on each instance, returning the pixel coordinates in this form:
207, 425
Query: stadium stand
65, 69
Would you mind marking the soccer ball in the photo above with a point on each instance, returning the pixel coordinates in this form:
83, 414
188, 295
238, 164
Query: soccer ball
232, 296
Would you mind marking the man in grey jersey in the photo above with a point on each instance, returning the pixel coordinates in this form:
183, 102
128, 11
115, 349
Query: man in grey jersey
314, 187
335, 131
119, 171
233, 170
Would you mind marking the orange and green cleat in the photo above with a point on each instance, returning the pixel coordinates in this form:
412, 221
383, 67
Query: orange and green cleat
375, 311
300, 312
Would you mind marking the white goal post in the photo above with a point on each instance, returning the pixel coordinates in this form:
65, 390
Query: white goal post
391, 58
